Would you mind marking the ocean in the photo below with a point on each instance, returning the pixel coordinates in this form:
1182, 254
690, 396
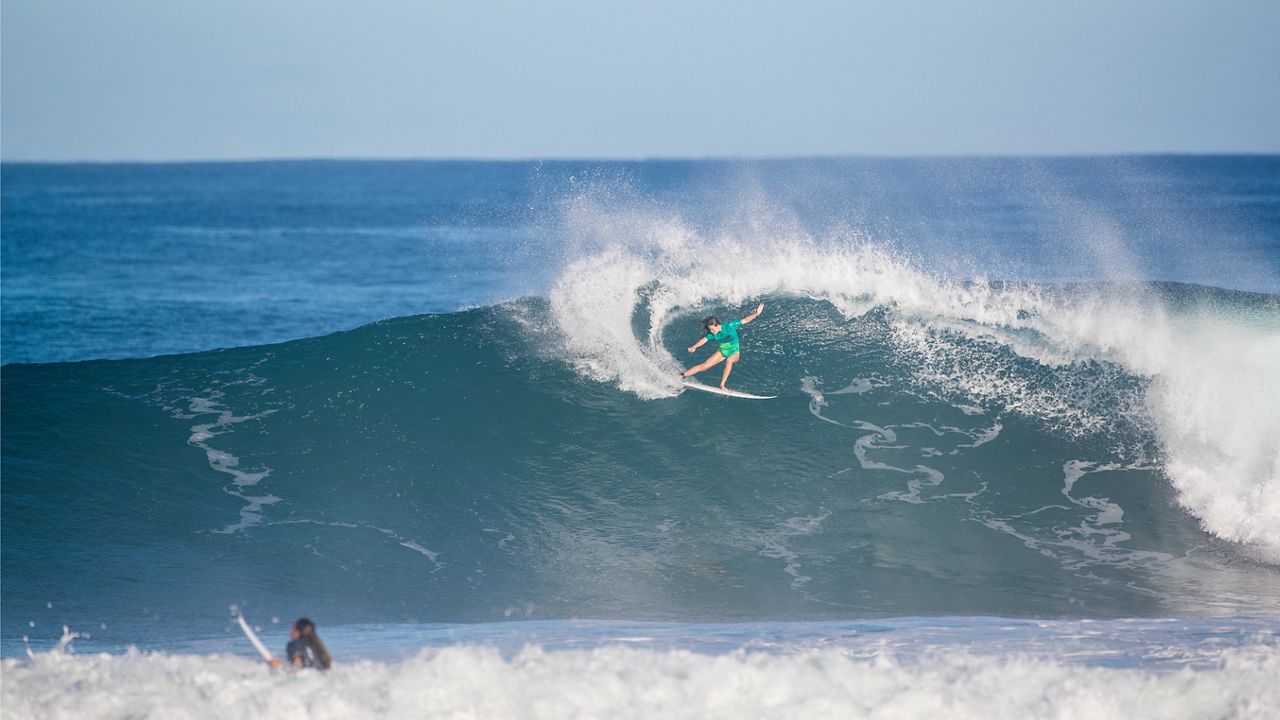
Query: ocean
1024, 459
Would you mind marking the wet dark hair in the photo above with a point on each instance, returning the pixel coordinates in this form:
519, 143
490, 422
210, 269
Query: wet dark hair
707, 323
307, 634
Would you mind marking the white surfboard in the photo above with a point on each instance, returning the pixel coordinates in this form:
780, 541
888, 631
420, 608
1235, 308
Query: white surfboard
253, 638
729, 393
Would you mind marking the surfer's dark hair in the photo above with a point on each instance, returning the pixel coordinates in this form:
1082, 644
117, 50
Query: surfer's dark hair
707, 323
307, 633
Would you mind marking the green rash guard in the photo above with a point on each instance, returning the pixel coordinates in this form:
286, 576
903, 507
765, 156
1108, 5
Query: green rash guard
727, 338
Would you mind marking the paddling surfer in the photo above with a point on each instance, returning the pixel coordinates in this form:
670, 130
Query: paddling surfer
305, 650
726, 338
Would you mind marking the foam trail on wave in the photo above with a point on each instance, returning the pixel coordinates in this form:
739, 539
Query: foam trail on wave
224, 462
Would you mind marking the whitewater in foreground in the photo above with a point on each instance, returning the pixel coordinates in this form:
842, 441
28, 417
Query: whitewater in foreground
908, 668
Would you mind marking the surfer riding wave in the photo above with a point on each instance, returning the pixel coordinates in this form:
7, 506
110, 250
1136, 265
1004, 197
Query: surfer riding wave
726, 337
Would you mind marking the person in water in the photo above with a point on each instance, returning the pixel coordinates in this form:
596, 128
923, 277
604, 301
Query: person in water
726, 336
305, 649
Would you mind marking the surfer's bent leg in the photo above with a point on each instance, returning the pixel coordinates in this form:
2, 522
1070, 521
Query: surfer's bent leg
708, 363
728, 368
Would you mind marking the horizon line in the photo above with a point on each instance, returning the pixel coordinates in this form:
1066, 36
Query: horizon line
646, 158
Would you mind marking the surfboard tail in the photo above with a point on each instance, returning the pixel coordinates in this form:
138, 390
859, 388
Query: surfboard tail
727, 393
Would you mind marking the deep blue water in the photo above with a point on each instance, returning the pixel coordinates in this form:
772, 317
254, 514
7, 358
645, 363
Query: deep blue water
385, 393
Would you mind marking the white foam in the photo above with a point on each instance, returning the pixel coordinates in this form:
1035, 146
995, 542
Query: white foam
224, 462
1213, 379
775, 549
1078, 541
627, 682
857, 387
817, 401
413, 545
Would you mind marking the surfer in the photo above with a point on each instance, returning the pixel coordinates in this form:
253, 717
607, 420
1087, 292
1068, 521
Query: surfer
726, 336
304, 649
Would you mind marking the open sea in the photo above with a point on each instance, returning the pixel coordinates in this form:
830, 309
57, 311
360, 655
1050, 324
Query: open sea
1024, 459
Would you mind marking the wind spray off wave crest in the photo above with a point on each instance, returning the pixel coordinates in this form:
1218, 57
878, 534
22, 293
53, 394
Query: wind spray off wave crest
613, 303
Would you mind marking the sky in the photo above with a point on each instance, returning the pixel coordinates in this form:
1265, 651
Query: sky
158, 80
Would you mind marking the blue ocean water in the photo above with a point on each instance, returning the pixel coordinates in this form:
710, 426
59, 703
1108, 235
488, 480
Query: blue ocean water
120, 260
1026, 417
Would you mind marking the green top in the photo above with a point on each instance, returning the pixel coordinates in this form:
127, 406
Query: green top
727, 338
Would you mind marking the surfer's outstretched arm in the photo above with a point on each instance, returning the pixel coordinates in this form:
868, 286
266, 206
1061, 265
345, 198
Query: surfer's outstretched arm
701, 341
754, 315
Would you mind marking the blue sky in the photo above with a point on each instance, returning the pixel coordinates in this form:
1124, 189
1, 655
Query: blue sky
206, 79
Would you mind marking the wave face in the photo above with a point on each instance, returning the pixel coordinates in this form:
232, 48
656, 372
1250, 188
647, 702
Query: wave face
938, 447
1124, 362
